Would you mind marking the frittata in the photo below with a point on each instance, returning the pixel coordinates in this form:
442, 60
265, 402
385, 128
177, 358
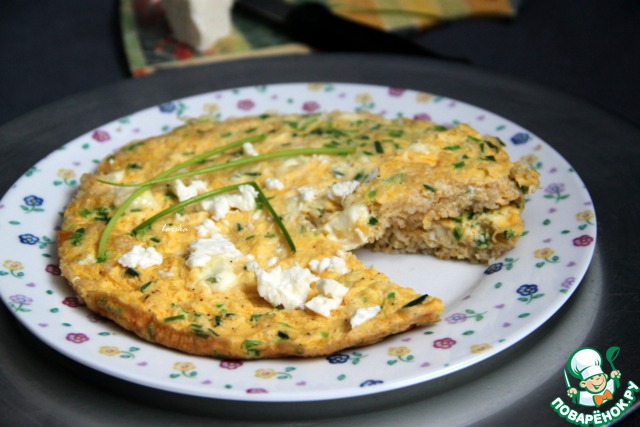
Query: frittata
232, 239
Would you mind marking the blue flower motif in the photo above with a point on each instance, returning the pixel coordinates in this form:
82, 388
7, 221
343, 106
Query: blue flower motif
526, 290
167, 107
368, 383
493, 268
338, 358
33, 201
28, 239
520, 138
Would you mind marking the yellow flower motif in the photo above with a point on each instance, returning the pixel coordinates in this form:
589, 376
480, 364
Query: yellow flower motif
363, 98
543, 253
12, 265
584, 216
479, 348
315, 87
211, 108
529, 159
109, 350
423, 97
265, 373
399, 351
184, 366
66, 174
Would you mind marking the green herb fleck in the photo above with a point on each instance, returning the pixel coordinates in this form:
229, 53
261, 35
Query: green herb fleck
508, 234
174, 318
452, 147
134, 166
76, 237
283, 335
430, 188
373, 220
457, 233
416, 301
458, 165
378, 147
145, 286
371, 194
131, 272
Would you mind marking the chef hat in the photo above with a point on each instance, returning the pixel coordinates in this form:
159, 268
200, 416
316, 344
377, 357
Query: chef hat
585, 363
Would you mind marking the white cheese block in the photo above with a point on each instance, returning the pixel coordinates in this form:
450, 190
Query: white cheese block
199, 23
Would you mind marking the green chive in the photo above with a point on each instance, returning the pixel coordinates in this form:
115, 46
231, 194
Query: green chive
458, 165
283, 335
240, 162
378, 147
174, 318
457, 233
416, 301
452, 147
131, 272
102, 245
430, 188
145, 286
261, 197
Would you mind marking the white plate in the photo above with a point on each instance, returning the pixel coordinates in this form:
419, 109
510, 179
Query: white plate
487, 309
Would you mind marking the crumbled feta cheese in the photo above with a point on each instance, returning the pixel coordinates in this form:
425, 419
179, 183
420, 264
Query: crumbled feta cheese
343, 227
288, 288
333, 263
184, 192
272, 261
363, 314
273, 184
307, 194
140, 257
207, 228
332, 289
331, 295
220, 205
249, 150
322, 305
202, 250
251, 266
217, 274
340, 190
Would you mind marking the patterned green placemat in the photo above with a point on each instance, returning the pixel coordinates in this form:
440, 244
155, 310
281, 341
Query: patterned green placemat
149, 44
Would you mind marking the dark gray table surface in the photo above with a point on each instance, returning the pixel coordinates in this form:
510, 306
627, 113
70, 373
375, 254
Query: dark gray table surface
40, 387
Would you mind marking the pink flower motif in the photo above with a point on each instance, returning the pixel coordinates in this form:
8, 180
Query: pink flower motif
444, 343
310, 106
101, 135
53, 269
422, 116
396, 91
256, 390
77, 338
72, 302
583, 240
246, 104
230, 364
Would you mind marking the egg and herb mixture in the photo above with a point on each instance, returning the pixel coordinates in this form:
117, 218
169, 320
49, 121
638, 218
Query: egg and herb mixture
232, 239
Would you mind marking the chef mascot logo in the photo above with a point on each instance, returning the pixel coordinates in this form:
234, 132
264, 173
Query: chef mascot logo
595, 389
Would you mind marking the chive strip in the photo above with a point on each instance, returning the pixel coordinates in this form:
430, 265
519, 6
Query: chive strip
416, 301
242, 162
261, 197
102, 245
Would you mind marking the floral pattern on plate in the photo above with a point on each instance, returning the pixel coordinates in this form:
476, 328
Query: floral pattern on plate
488, 308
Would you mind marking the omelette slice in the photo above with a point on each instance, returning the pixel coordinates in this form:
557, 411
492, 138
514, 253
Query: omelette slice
232, 239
